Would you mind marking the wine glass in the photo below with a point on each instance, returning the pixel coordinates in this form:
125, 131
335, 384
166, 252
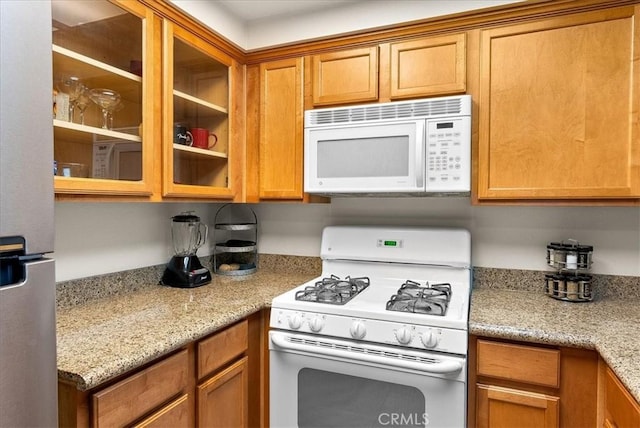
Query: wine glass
72, 86
82, 102
116, 107
106, 99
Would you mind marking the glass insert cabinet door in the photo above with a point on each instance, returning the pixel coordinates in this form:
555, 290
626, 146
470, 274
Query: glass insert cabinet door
196, 137
102, 128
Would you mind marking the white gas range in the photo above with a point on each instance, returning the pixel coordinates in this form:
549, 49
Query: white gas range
388, 319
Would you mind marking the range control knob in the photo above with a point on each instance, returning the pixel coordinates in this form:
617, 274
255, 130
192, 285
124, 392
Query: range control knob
429, 339
358, 330
316, 324
403, 334
295, 321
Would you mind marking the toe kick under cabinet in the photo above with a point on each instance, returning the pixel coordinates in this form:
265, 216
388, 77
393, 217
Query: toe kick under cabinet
212, 382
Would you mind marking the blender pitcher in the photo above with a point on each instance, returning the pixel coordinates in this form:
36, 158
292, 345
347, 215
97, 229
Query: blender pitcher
188, 234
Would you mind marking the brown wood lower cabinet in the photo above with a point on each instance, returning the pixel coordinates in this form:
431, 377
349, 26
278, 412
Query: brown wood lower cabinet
515, 384
222, 393
212, 382
506, 407
620, 409
222, 400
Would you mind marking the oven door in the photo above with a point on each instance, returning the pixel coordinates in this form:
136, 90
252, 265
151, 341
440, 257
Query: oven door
322, 382
374, 158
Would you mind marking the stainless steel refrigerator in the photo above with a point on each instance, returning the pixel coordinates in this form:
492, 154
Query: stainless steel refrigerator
28, 373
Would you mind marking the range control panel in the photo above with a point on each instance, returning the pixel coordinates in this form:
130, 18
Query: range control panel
407, 335
449, 154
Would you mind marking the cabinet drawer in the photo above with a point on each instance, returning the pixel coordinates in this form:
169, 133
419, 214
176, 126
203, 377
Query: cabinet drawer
174, 414
221, 348
537, 366
140, 393
621, 409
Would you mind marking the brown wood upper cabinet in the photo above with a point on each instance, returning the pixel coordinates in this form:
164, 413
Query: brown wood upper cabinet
345, 77
428, 66
558, 108
421, 67
198, 80
116, 53
281, 125
274, 126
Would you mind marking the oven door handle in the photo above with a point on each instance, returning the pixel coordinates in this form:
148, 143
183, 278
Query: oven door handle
440, 367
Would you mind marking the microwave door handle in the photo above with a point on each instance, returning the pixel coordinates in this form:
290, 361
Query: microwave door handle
420, 157
439, 367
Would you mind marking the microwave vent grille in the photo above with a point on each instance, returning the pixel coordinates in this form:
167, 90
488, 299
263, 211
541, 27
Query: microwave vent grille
387, 111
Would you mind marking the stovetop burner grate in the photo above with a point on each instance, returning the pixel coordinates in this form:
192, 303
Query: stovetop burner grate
431, 299
333, 290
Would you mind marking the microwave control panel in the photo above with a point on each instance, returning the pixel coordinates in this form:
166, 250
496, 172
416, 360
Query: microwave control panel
101, 157
449, 154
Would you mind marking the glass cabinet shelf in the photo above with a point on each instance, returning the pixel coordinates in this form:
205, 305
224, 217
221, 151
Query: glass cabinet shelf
205, 105
199, 152
75, 132
70, 61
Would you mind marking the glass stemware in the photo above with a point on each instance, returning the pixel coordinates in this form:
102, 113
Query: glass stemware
82, 102
116, 107
71, 86
106, 99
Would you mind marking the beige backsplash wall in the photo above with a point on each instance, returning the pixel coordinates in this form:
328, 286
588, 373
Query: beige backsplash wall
97, 238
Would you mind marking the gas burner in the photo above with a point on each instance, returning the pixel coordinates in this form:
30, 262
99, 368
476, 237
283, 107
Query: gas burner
428, 299
333, 290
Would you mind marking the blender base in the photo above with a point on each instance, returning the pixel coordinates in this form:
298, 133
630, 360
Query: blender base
185, 272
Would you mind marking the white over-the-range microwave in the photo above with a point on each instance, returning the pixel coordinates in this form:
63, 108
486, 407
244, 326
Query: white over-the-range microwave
406, 148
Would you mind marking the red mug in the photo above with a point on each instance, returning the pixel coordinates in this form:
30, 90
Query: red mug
201, 138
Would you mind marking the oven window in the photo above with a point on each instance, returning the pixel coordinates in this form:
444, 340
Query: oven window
364, 157
328, 399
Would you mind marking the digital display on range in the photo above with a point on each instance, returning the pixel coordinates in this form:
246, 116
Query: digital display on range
444, 125
389, 243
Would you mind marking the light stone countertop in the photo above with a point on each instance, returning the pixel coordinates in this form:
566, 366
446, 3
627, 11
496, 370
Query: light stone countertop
610, 326
104, 338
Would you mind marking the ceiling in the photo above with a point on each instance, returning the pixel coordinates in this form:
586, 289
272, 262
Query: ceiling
253, 10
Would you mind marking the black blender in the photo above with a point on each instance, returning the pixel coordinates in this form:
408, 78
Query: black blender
184, 269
